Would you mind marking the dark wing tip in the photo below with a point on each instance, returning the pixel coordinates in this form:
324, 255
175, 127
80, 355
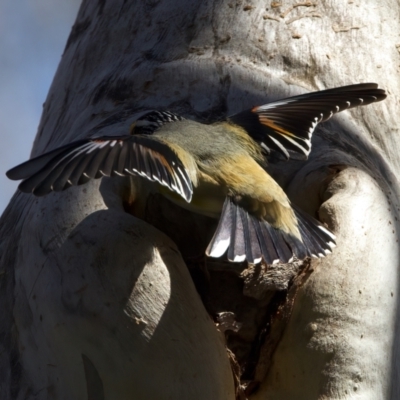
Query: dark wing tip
34, 165
14, 173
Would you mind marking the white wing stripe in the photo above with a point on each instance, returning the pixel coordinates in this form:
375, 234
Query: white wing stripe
303, 149
280, 146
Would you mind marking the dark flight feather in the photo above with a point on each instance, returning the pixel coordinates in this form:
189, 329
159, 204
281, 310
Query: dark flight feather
78, 162
288, 124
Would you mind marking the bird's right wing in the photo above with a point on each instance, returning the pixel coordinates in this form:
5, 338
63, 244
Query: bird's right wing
288, 124
78, 162
247, 238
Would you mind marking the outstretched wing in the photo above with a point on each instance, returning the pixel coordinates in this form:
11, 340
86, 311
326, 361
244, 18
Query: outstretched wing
288, 124
78, 162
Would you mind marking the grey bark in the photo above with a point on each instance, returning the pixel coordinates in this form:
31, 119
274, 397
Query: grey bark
99, 304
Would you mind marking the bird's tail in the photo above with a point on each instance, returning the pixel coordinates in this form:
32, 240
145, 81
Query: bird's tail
245, 237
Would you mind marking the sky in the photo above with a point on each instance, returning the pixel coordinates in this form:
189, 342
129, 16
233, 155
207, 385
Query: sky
33, 34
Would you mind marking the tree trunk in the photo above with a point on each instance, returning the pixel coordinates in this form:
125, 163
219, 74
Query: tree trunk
99, 304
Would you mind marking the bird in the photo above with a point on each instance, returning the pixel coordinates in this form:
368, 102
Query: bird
215, 169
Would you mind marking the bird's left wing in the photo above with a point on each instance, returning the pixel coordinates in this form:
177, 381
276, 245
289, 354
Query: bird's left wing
287, 125
78, 162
